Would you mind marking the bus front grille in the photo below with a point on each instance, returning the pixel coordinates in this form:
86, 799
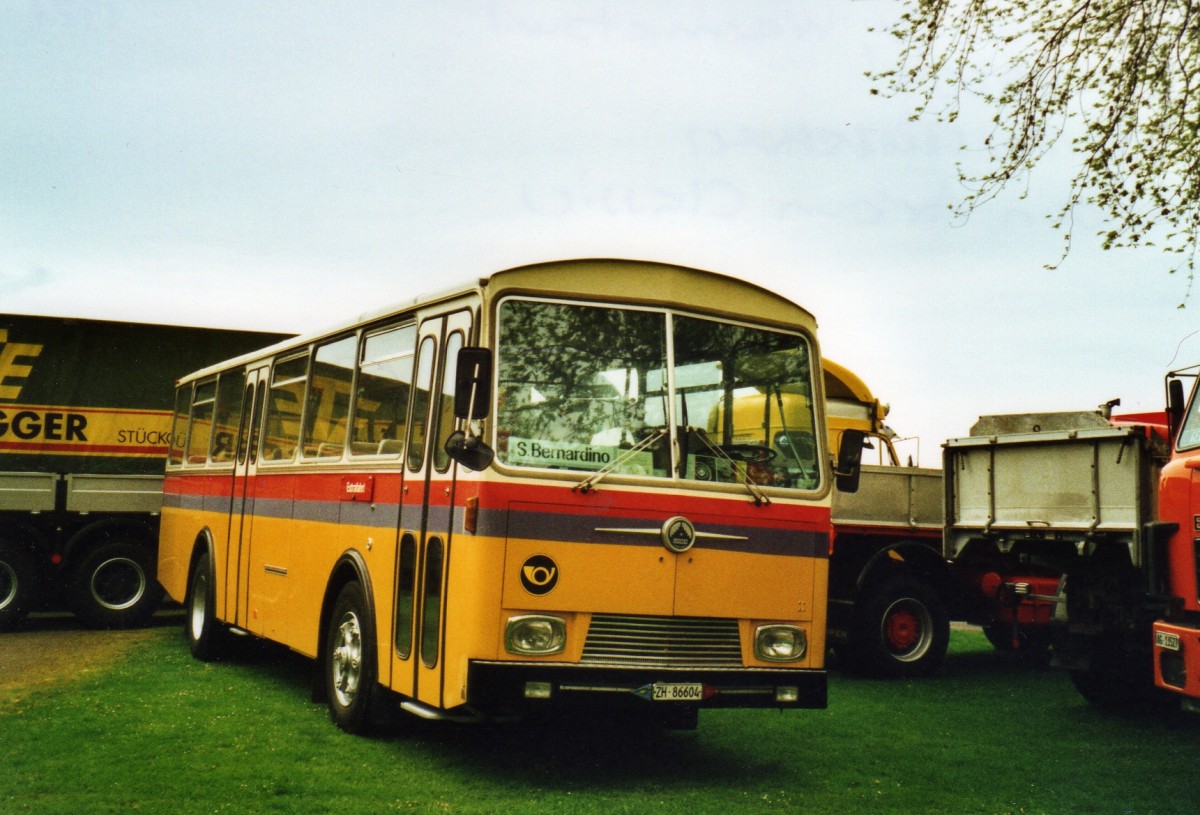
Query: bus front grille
627, 640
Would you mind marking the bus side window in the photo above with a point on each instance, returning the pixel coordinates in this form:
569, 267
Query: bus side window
420, 412
329, 399
200, 427
384, 382
228, 415
405, 594
254, 423
284, 408
243, 442
431, 604
445, 412
183, 403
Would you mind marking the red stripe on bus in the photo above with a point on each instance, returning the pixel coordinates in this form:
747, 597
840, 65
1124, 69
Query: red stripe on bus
316, 487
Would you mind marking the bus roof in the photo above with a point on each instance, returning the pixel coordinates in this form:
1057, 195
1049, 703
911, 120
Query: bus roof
656, 284
660, 284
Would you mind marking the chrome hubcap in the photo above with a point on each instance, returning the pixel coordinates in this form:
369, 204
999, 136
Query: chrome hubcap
347, 660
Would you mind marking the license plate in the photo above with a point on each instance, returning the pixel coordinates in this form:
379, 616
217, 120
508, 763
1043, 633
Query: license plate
676, 692
1164, 639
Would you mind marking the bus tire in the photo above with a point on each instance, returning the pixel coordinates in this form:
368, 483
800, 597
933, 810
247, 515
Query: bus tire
205, 633
18, 585
114, 585
350, 667
902, 630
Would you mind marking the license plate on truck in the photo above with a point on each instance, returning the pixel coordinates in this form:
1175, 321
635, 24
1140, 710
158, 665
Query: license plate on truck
1167, 640
676, 692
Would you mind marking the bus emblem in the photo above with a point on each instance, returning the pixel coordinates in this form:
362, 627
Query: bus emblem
539, 575
678, 534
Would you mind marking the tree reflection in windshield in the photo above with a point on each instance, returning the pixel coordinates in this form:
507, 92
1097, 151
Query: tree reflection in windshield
745, 396
579, 385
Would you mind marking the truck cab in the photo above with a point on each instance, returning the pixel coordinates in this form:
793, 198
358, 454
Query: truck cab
1176, 636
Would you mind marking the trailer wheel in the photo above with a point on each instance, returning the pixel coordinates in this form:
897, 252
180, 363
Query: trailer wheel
902, 630
115, 586
205, 633
18, 585
350, 668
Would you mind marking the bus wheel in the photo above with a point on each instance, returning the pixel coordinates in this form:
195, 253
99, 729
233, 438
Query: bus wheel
17, 585
903, 630
350, 668
205, 633
114, 585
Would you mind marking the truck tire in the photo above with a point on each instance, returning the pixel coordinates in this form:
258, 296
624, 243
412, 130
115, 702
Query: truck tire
114, 585
1033, 644
1119, 677
205, 633
18, 585
900, 631
1110, 689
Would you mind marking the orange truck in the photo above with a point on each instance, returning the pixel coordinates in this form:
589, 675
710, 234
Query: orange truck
85, 420
1174, 562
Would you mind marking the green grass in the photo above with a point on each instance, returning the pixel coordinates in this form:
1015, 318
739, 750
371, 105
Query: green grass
160, 732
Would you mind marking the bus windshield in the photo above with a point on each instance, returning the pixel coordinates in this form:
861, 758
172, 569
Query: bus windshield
653, 393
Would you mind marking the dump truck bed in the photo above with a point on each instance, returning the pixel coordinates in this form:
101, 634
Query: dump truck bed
1063, 484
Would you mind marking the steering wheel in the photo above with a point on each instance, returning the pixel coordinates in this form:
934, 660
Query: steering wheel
751, 453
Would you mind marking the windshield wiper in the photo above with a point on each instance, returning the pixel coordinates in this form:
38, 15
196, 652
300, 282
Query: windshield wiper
760, 497
592, 480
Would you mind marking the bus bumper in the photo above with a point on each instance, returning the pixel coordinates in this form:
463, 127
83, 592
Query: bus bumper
507, 686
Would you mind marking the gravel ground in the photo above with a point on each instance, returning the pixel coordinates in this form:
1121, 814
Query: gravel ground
53, 649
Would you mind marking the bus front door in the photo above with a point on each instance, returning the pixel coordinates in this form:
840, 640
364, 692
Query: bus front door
423, 555
241, 516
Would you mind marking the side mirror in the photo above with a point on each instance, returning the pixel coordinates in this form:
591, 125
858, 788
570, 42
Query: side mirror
473, 384
1176, 403
849, 460
472, 400
469, 451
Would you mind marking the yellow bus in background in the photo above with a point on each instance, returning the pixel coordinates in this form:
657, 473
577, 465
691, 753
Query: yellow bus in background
508, 498
781, 419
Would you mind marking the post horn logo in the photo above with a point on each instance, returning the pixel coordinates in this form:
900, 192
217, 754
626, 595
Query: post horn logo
678, 534
539, 575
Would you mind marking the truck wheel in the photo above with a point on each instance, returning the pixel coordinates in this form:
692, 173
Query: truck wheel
902, 630
18, 585
1109, 689
1033, 644
1119, 679
205, 633
114, 585
350, 667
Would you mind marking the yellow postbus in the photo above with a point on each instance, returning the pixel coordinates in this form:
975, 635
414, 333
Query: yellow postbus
506, 499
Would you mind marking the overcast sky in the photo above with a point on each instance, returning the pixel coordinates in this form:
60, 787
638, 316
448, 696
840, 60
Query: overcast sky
286, 165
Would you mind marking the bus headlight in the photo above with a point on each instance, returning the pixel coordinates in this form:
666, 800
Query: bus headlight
535, 635
780, 643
